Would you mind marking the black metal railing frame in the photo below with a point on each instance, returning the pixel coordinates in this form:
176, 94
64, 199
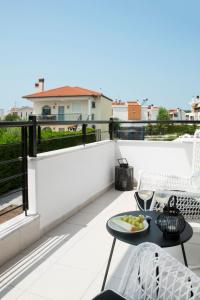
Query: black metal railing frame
24, 164
31, 136
34, 128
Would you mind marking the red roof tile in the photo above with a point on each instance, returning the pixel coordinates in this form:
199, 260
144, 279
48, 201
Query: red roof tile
173, 110
64, 91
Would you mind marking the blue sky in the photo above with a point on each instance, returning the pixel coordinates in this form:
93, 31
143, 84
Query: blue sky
129, 49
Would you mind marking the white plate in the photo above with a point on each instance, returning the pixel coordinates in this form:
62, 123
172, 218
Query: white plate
114, 226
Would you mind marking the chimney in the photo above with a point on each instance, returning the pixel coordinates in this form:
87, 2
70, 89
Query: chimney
40, 85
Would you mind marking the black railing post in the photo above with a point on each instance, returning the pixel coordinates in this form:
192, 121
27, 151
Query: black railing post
111, 128
32, 137
39, 134
24, 169
84, 126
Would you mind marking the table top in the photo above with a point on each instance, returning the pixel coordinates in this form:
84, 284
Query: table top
152, 234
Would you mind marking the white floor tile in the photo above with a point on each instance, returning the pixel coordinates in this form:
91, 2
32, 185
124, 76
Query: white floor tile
62, 283
95, 287
69, 261
83, 219
90, 254
10, 293
30, 296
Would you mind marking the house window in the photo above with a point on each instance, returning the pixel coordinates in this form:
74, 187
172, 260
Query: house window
93, 104
46, 110
61, 129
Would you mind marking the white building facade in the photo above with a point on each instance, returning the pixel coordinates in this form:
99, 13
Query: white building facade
22, 112
194, 114
150, 113
70, 104
177, 114
134, 111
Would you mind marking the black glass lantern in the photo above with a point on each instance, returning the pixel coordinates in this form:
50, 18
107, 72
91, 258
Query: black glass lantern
123, 176
171, 222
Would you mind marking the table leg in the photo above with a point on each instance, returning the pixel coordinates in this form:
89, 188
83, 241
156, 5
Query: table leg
184, 255
108, 265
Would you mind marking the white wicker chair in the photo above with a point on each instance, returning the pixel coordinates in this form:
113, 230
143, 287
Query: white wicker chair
152, 274
187, 203
164, 181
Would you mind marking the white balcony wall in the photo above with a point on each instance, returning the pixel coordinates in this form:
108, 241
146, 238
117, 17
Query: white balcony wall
157, 156
62, 181
62, 101
120, 112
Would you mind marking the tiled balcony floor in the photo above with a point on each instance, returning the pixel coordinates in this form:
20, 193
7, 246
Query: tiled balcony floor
69, 262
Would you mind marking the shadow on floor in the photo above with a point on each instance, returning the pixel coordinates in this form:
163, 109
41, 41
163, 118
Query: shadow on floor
23, 265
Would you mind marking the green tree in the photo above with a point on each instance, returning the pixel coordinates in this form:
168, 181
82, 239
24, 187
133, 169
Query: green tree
12, 117
163, 114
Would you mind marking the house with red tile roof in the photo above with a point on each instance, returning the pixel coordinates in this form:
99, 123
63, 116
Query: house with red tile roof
127, 111
177, 114
134, 111
69, 103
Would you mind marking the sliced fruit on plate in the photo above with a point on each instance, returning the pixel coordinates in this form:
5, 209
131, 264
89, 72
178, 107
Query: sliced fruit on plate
124, 225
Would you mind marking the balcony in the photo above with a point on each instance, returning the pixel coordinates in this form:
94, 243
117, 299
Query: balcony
70, 260
66, 117
72, 255
61, 247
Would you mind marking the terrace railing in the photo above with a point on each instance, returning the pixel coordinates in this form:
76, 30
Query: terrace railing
65, 117
31, 142
13, 170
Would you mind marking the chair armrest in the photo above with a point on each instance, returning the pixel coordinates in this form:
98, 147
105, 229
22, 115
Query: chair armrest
108, 295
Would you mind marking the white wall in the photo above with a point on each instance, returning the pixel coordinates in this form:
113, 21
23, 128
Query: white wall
120, 112
106, 108
62, 101
62, 180
157, 156
180, 115
24, 112
153, 113
105, 114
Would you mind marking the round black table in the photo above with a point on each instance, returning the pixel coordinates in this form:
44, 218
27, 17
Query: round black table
152, 235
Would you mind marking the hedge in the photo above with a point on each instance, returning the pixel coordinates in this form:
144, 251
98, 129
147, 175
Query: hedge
8, 152
10, 148
178, 129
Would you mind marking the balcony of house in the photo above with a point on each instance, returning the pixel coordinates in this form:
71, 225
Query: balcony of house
59, 249
66, 117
